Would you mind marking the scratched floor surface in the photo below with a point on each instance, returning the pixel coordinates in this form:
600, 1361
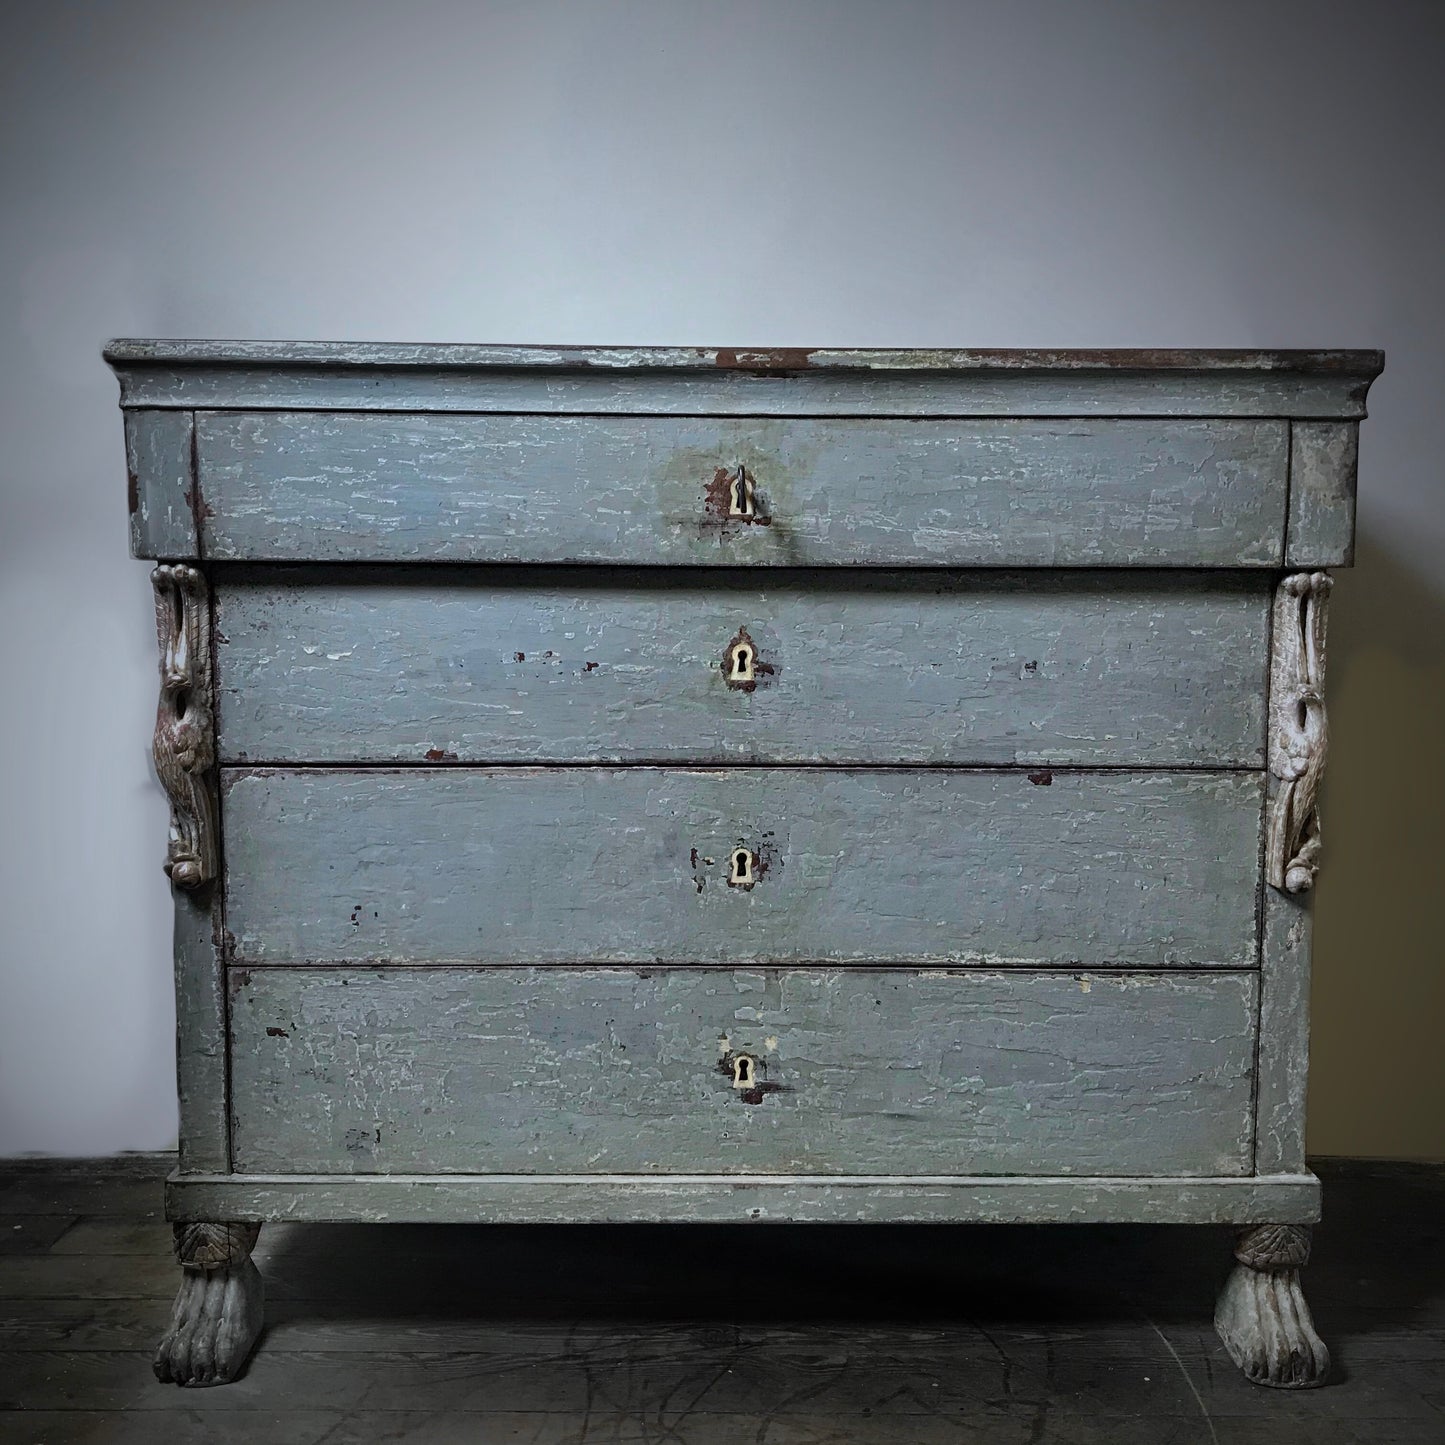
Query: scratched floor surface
701, 1335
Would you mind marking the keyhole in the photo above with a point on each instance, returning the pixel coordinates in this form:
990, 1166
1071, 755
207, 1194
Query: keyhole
743, 658
744, 1073
740, 868
740, 495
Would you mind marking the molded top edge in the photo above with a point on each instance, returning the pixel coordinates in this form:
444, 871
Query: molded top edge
320, 354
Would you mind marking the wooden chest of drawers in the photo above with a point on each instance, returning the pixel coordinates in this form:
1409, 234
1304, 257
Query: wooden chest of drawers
711, 785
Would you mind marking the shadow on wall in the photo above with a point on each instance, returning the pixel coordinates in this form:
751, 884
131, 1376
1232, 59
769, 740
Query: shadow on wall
1379, 978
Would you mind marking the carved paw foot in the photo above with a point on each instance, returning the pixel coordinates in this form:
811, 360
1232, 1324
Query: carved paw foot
1262, 1317
216, 1319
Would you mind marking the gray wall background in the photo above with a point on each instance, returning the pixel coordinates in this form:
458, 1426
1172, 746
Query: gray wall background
1098, 173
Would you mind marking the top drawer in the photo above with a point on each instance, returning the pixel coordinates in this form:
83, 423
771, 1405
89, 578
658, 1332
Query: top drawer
800, 491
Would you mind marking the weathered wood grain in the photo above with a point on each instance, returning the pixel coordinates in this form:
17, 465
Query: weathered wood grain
116, 1277
160, 484
1284, 1032
86, 1324
963, 1380
139, 1197
581, 665
738, 393
135, 1421
880, 1389
793, 382
153, 351
33, 1233
201, 1029
111, 1236
975, 1417
1323, 460
560, 1071
302, 486
731, 1198
629, 866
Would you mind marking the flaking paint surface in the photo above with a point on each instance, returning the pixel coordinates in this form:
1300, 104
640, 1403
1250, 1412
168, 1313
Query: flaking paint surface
506, 664
528, 1070
627, 865
301, 486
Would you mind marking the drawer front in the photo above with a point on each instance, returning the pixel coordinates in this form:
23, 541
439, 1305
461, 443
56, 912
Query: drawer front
583, 665
554, 1071
666, 866
347, 486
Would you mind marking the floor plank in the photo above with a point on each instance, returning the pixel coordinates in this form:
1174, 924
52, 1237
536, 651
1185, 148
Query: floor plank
1002, 1427
116, 1236
33, 1233
116, 1198
832, 1377
811, 1336
49, 1324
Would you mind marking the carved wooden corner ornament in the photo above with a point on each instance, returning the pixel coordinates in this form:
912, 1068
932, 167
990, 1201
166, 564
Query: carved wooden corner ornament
185, 737
1297, 731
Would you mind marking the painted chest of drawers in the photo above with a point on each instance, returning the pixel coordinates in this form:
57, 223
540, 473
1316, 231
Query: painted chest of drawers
712, 785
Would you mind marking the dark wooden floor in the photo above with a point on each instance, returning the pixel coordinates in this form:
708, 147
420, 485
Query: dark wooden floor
699, 1335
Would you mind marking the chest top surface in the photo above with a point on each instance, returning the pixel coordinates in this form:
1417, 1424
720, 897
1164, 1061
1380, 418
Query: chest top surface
176, 373
349, 452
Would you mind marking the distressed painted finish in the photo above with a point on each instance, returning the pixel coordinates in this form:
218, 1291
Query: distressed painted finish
665, 889
746, 1199
1108, 361
183, 749
312, 486
1284, 1032
788, 382
160, 484
580, 665
858, 1072
201, 1059
1323, 462
628, 865
1297, 748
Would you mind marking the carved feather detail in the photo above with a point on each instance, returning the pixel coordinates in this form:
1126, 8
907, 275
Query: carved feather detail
214, 1246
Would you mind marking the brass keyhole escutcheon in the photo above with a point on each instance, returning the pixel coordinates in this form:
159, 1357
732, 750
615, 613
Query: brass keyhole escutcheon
745, 1071
742, 661
743, 665
740, 494
742, 868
